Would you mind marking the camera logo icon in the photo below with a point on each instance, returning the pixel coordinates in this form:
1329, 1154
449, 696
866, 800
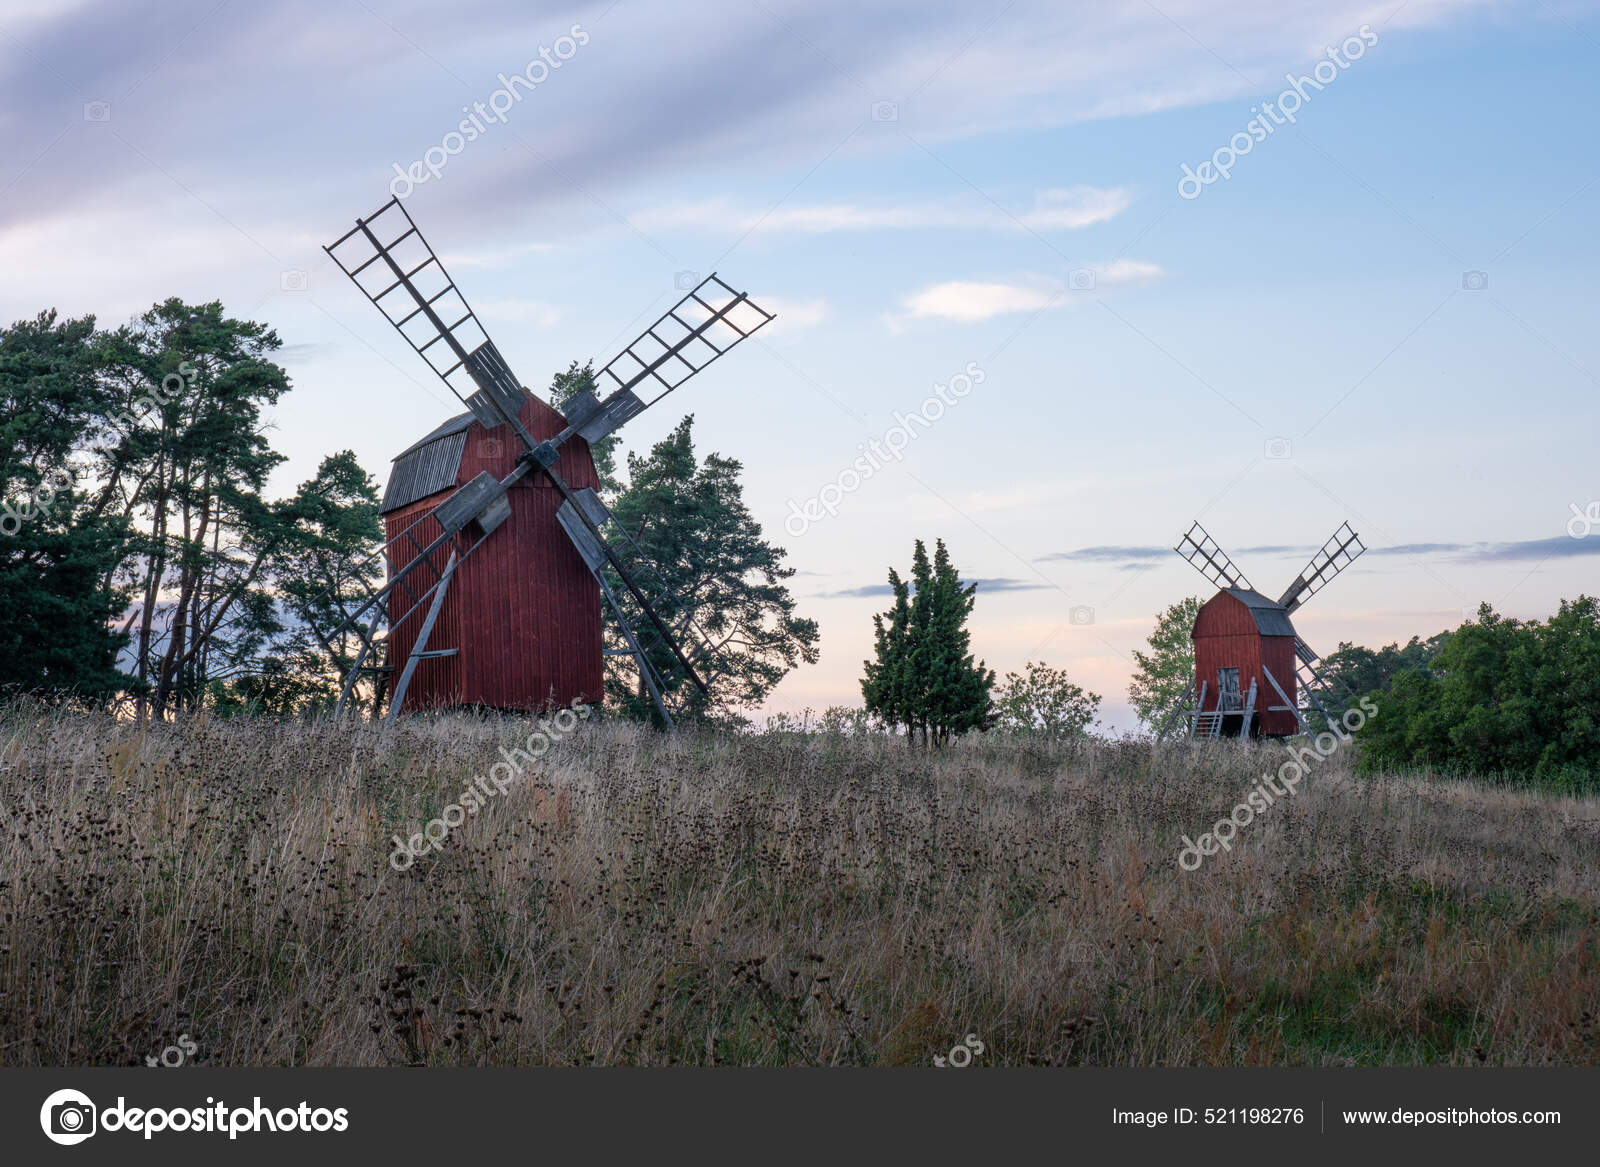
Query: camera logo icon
1474, 281
885, 111
292, 280
1081, 614
1081, 279
97, 111
1278, 449
68, 1117
686, 280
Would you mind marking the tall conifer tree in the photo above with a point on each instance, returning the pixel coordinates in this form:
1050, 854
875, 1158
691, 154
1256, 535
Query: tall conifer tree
923, 675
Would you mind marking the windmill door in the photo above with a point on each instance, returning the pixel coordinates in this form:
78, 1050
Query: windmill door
1228, 689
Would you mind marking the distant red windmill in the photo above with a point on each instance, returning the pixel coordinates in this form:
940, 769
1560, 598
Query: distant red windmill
1249, 661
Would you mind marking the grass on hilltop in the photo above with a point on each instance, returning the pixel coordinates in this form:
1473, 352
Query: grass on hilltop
777, 899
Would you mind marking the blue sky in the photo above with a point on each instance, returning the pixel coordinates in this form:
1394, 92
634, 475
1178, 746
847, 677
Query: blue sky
912, 187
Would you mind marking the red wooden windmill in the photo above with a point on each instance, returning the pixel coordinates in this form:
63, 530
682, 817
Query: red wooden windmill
1249, 661
494, 537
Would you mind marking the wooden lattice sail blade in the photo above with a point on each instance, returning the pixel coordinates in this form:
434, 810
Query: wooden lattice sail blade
419, 649
388, 258
1335, 555
1210, 560
676, 659
694, 332
1316, 683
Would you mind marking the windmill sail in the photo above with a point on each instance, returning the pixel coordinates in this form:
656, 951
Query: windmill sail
1318, 684
1336, 554
675, 656
1209, 559
387, 257
690, 335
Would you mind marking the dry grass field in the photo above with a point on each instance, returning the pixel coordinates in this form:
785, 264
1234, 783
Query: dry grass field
779, 899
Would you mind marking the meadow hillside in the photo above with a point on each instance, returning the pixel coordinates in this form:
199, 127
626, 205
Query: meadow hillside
774, 899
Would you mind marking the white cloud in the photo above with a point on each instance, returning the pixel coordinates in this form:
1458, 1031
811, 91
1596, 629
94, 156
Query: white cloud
641, 108
968, 301
1076, 206
511, 310
1064, 209
1126, 273
646, 101
795, 314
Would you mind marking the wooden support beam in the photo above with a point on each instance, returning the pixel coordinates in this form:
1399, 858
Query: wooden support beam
1273, 681
351, 676
419, 649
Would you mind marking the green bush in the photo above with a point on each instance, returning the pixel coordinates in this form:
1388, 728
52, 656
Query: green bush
1516, 700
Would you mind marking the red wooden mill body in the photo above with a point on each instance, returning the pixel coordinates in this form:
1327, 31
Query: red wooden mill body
1251, 669
1239, 637
522, 611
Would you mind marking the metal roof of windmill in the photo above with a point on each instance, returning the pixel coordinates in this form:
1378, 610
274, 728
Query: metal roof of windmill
453, 425
427, 466
1270, 617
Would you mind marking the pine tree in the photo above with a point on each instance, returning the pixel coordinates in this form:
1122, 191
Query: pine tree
58, 547
133, 463
688, 516
187, 462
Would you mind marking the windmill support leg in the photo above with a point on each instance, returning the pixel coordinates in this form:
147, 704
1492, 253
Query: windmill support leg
1273, 681
350, 677
1185, 710
1326, 716
421, 646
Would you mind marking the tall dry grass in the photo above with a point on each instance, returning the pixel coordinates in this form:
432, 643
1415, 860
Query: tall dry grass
779, 899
